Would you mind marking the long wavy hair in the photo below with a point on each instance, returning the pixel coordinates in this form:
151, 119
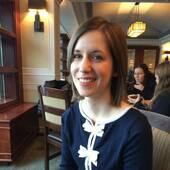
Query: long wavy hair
116, 41
163, 73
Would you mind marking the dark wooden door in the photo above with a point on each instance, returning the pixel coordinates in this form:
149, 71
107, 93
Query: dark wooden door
143, 54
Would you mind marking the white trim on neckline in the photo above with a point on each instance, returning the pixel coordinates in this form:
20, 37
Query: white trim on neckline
104, 120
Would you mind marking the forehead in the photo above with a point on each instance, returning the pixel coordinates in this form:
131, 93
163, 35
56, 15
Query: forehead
139, 70
92, 39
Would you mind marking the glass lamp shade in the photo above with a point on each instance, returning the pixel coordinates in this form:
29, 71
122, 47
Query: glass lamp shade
136, 29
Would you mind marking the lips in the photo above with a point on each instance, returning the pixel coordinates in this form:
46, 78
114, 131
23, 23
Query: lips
87, 81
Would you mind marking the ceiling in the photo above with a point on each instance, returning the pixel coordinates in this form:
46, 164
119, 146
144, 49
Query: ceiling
155, 13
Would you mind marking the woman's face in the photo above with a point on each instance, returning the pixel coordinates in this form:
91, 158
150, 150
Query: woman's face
91, 67
139, 75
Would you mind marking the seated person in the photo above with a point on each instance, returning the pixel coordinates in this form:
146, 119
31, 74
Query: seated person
160, 103
144, 82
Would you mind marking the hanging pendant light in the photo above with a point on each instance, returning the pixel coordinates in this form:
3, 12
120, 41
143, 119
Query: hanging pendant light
138, 27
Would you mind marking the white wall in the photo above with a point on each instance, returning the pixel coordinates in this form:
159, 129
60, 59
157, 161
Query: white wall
40, 50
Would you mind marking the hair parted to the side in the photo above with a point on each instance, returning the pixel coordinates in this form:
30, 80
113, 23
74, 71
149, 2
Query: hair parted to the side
116, 41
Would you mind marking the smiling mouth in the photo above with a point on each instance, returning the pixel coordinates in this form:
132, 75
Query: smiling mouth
86, 80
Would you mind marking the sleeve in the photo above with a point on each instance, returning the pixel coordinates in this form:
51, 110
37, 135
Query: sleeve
67, 161
141, 106
149, 90
161, 105
138, 149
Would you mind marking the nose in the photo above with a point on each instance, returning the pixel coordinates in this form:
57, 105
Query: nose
85, 65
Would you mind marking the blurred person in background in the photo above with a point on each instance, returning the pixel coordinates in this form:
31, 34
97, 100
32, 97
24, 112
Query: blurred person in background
143, 84
160, 103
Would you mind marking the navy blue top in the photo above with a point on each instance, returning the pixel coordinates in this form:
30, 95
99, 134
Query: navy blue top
126, 143
161, 104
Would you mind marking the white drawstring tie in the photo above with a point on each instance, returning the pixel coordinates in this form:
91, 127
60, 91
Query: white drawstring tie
96, 129
89, 154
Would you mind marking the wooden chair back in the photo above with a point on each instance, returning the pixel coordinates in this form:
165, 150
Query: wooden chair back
53, 103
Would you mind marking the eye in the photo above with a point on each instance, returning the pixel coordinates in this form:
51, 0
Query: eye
97, 57
77, 56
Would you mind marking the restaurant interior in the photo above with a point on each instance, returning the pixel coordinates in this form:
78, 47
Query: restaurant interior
34, 35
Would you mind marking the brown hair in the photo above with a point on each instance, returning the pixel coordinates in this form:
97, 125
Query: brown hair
163, 72
116, 41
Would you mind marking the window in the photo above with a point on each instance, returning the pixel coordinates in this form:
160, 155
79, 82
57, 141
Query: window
143, 54
10, 67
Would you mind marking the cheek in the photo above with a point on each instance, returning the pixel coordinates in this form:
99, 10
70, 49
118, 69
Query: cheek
72, 68
73, 71
143, 77
107, 72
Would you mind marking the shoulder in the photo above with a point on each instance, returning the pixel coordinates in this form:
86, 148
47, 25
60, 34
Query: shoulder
71, 112
163, 97
132, 127
134, 120
134, 114
165, 93
138, 129
161, 104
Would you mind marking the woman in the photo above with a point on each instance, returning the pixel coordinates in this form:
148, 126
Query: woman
161, 100
144, 82
100, 130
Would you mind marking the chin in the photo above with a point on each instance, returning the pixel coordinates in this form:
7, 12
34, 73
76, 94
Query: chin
85, 94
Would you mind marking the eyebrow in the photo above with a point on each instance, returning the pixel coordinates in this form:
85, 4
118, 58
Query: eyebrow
76, 51
91, 51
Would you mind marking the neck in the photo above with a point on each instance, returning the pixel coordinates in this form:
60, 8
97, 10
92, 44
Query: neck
101, 108
97, 103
